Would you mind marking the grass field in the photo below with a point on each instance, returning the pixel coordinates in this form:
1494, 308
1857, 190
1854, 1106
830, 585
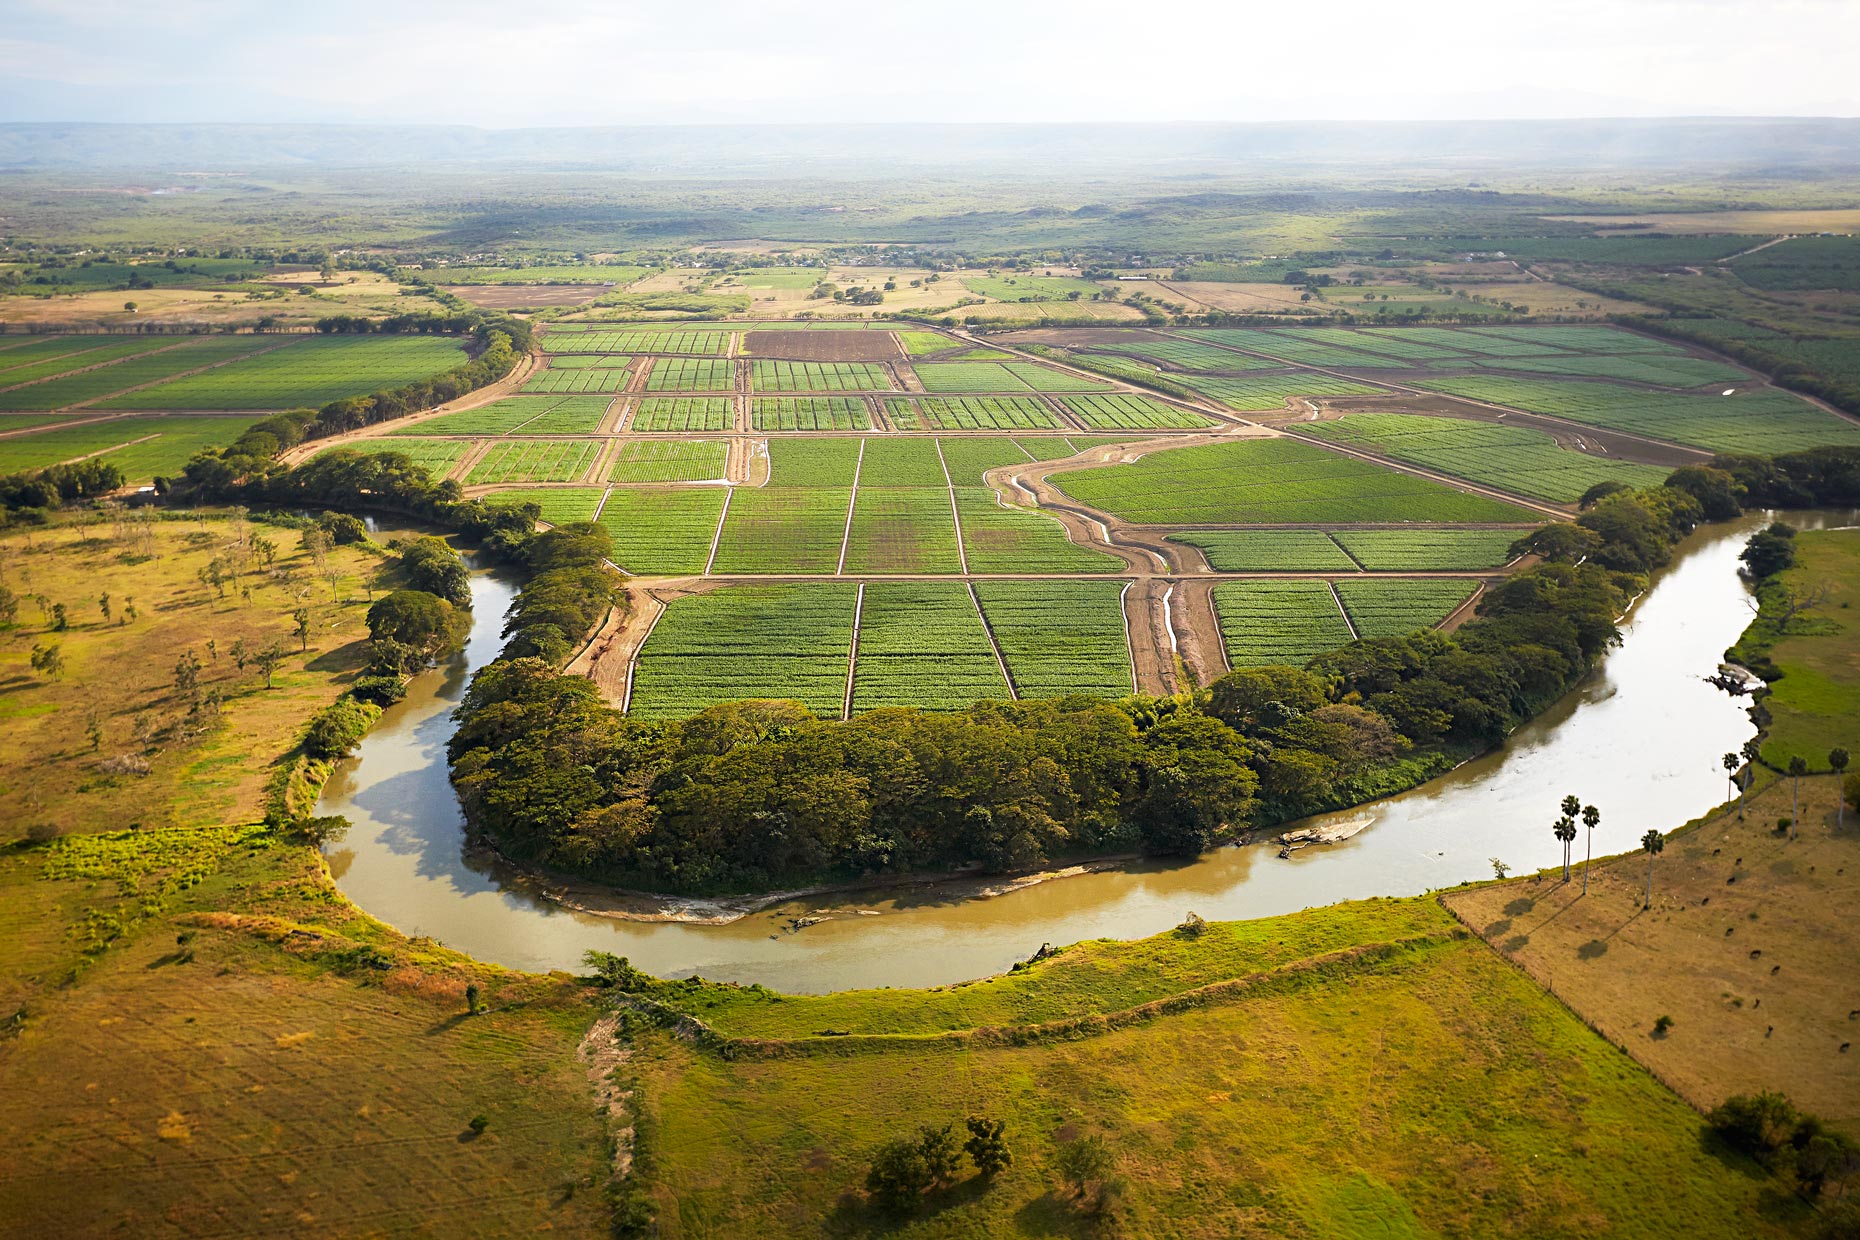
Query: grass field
1815, 707
922, 644
682, 413
777, 641
143, 448
659, 460
1030, 287
971, 413
308, 373
691, 374
1511, 458
662, 531
1122, 411
810, 413
144, 368
538, 415
1270, 480
1278, 621
533, 460
1060, 637
1760, 420
818, 377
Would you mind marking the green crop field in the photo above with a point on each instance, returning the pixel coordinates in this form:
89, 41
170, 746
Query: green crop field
1040, 378
1269, 551
1512, 458
1185, 355
437, 455
923, 644
810, 413
1030, 288
662, 460
589, 361
144, 368
1278, 621
967, 458
1124, 411
662, 531
311, 372
538, 415
1760, 420
1060, 637
533, 460
691, 374
902, 530
813, 462
893, 462
923, 343
1383, 342
1003, 540
143, 448
588, 379
1388, 607
819, 377
1295, 346
1671, 372
1450, 551
65, 354
560, 505
783, 530
775, 641
560, 273
1270, 481
971, 413
682, 413
1585, 337
1263, 392
969, 377
701, 343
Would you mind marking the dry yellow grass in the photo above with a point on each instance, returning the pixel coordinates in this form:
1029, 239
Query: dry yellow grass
1837, 219
353, 292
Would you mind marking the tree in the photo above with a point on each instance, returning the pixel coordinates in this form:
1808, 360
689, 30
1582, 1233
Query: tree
1731, 763
48, 660
986, 1147
1084, 1164
130, 306
1798, 767
942, 1155
187, 672
103, 605
1837, 759
60, 621
1750, 749
302, 618
1591, 818
268, 660
471, 998
1654, 843
1565, 831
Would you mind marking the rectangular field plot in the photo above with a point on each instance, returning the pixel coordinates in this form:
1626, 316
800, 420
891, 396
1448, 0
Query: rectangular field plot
924, 343
1264, 392
813, 462
437, 455
662, 531
776, 641
999, 539
308, 373
142, 448
810, 413
533, 460
586, 361
783, 530
971, 413
660, 460
969, 377
145, 368
1121, 411
588, 380
1269, 551
1591, 338
967, 458
1389, 608
682, 413
1278, 621
1661, 371
1758, 420
1060, 637
890, 462
1513, 458
902, 530
691, 374
1040, 378
714, 344
64, 354
1271, 481
1292, 345
922, 644
560, 505
1384, 342
542, 415
1186, 355
1446, 551
818, 377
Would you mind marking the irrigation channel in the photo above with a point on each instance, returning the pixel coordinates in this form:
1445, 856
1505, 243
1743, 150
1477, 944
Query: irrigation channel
1641, 738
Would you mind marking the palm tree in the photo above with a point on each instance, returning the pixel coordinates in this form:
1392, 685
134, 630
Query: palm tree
1837, 758
1750, 749
1565, 829
1591, 818
1653, 842
1731, 762
1798, 767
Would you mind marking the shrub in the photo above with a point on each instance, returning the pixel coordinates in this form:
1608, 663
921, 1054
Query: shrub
336, 729
381, 690
1661, 1026
43, 832
343, 528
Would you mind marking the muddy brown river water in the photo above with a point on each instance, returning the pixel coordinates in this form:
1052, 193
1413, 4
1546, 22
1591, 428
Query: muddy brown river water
1640, 738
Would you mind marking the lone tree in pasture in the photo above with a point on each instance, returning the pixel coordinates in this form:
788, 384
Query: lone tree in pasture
1085, 1165
1591, 818
1731, 762
302, 618
1565, 830
1750, 749
48, 660
986, 1147
1837, 760
268, 660
1654, 843
1798, 767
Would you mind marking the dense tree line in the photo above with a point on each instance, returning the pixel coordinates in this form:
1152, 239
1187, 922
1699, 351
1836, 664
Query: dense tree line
1783, 370
751, 795
58, 485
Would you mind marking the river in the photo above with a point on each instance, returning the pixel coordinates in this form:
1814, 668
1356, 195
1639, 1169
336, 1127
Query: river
1640, 738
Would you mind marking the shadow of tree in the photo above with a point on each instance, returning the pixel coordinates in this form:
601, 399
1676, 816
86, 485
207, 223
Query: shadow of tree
1594, 949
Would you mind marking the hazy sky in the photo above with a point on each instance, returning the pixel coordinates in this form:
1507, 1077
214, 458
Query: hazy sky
574, 62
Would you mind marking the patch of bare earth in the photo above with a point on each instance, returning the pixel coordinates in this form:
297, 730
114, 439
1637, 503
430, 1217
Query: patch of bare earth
527, 296
822, 346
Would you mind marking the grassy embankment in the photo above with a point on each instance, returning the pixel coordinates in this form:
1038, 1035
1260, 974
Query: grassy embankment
198, 1034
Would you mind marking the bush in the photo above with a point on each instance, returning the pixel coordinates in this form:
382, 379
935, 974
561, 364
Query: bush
336, 729
343, 528
43, 832
380, 690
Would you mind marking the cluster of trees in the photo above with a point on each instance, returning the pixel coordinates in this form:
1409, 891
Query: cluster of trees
1767, 1127
1784, 370
1816, 477
429, 324
756, 794
58, 485
903, 1170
